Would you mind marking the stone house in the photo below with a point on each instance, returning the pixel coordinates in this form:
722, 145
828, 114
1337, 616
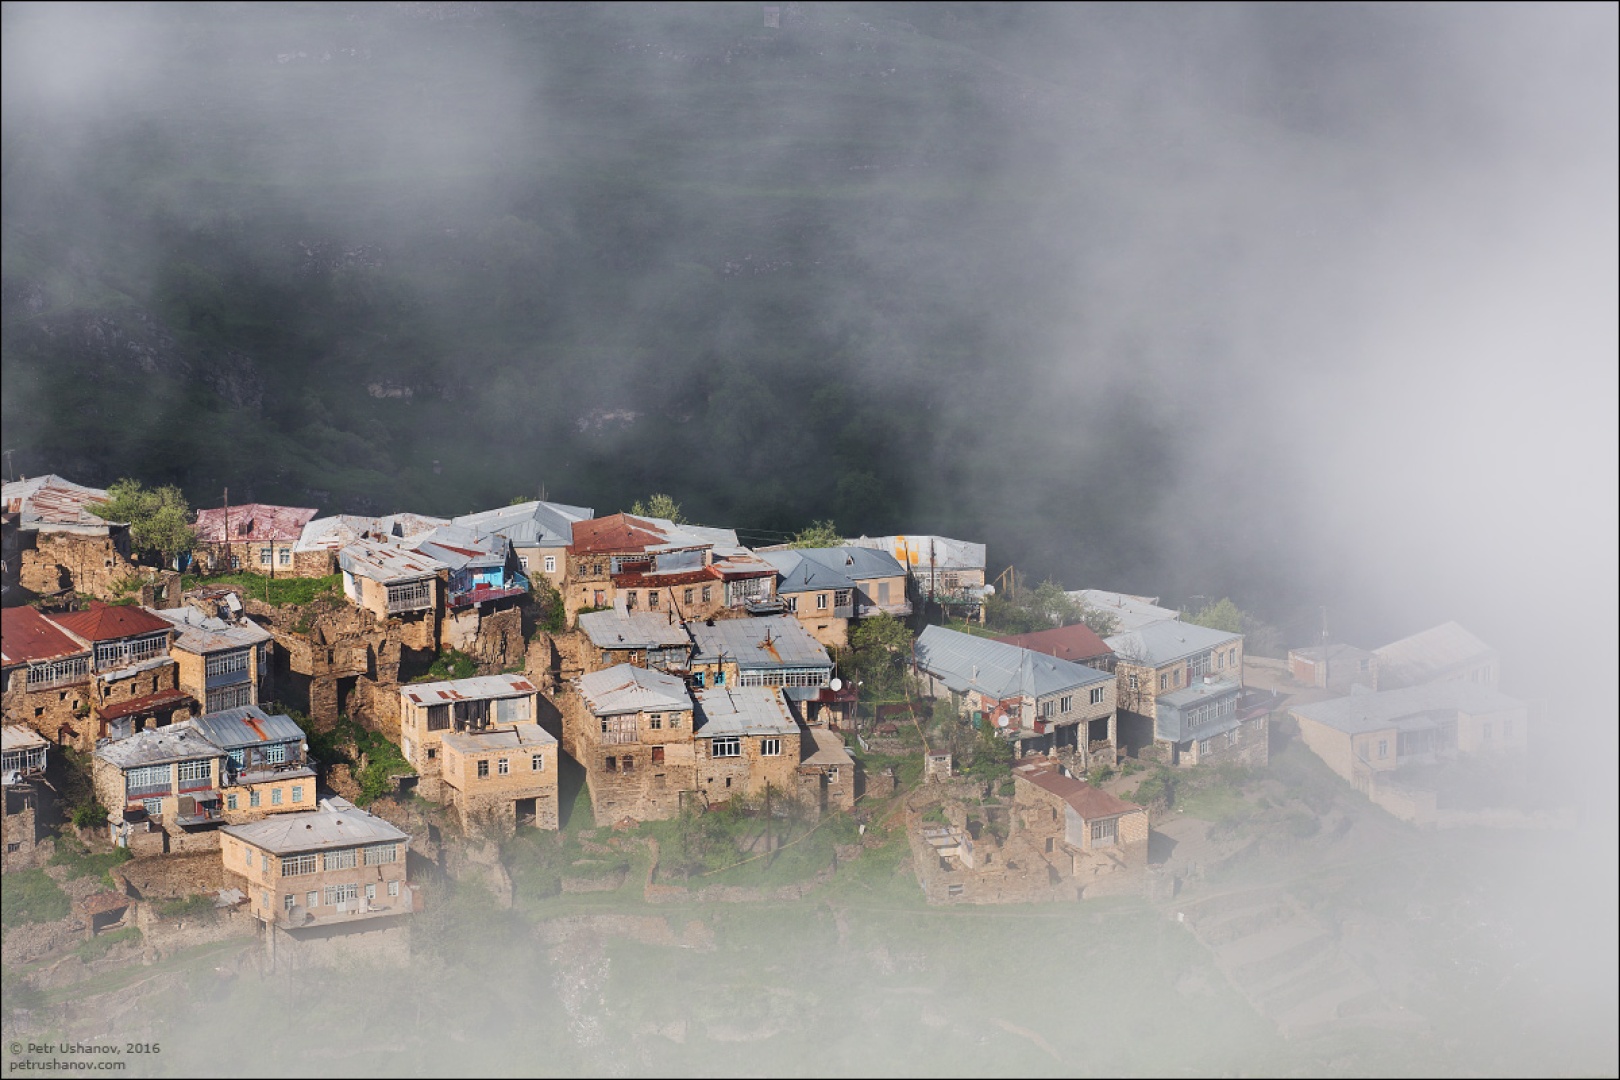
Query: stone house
1100, 834
430, 711
316, 552
332, 866
267, 767
1180, 686
47, 678
605, 549
1042, 704
223, 664
771, 650
1333, 667
939, 570
1371, 739
481, 578
644, 639
1439, 654
500, 777
134, 679
827, 588
162, 780
540, 533
747, 583
747, 742
633, 730
827, 771
58, 544
256, 537
24, 755
392, 582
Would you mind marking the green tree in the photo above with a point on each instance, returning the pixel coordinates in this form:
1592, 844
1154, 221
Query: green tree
820, 534
878, 654
159, 518
1041, 608
1221, 615
659, 505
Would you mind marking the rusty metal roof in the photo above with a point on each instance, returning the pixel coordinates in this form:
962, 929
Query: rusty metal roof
617, 532
200, 633
1089, 802
473, 689
1078, 643
252, 521
163, 699
26, 635
107, 622
46, 501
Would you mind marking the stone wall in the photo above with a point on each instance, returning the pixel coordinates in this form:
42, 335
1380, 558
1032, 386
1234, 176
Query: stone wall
61, 713
90, 565
24, 851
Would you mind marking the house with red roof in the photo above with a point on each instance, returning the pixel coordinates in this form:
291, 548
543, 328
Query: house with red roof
1078, 644
46, 675
635, 551
134, 680
254, 536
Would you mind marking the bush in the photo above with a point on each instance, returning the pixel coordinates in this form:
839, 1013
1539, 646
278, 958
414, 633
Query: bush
82, 862
189, 907
89, 815
553, 617
451, 664
31, 896
102, 944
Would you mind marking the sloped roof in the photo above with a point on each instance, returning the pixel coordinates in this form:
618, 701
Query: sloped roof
812, 569
252, 521
107, 622
632, 630
626, 688
743, 710
624, 533
247, 726
49, 500
458, 547
163, 699
510, 737
1163, 642
475, 688
1329, 652
341, 530
1361, 713
18, 737
1200, 691
201, 633
964, 662
530, 524
337, 824
1428, 654
155, 746
1088, 801
1077, 643
27, 635
927, 552
1130, 612
829, 749
768, 642
387, 563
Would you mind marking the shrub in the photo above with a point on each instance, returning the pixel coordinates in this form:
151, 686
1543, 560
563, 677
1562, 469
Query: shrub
31, 896
89, 815
188, 907
102, 944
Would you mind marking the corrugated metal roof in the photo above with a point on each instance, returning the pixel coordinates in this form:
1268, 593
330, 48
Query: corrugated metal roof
157, 746
1361, 713
1129, 612
387, 563
1089, 802
163, 699
530, 524
252, 521
964, 662
625, 533
1163, 642
743, 710
201, 633
1077, 643
106, 622
1329, 652
338, 532
337, 824
771, 641
247, 726
1200, 691
475, 688
27, 635
513, 737
459, 547
916, 552
633, 630
42, 502
1427, 654
18, 737
626, 689
811, 569
829, 748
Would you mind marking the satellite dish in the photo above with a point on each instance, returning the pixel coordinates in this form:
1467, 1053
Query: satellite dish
989, 590
1001, 721
837, 684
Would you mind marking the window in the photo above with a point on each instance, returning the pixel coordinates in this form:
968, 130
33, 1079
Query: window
619, 729
1383, 748
236, 564
1130, 681
483, 770
537, 762
264, 556
438, 717
953, 890
275, 796
230, 801
298, 793
792, 603
728, 746
687, 597
146, 779
551, 564
1046, 708
339, 860
276, 754
1066, 703
284, 556
297, 865
630, 600
658, 755
1096, 695
264, 897
674, 720
312, 898
652, 599
1231, 657
226, 663
393, 888
371, 891
1220, 660
1104, 831
770, 747
655, 721
612, 764
381, 854
821, 601
153, 807
503, 767
1486, 732
708, 593
341, 894
1164, 681
629, 763
1199, 665
230, 697
523, 561
264, 864
247, 856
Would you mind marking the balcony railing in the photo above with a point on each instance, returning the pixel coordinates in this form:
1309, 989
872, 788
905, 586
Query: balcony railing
414, 597
516, 585
135, 792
